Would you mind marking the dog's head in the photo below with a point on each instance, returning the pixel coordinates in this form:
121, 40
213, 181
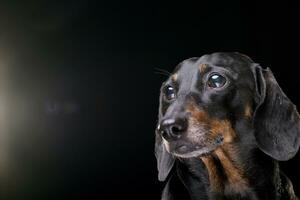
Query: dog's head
206, 101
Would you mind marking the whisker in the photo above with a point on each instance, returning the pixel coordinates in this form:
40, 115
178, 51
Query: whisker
162, 71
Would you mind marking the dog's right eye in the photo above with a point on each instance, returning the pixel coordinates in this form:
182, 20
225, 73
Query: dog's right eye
169, 92
216, 81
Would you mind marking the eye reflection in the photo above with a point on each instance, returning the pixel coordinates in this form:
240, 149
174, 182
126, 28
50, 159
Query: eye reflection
169, 92
216, 81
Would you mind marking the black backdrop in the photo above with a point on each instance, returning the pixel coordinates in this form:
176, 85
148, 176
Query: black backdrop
81, 94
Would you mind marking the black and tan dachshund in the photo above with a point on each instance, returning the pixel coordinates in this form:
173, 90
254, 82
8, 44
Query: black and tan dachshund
223, 124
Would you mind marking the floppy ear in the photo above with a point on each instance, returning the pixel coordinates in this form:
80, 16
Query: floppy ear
165, 161
276, 120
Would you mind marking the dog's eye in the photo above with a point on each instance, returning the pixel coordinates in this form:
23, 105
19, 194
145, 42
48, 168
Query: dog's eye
216, 81
169, 92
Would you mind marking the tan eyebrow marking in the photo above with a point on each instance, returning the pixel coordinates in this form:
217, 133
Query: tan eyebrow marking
202, 67
174, 77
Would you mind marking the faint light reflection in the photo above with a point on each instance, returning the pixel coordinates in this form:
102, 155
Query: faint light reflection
58, 107
3, 119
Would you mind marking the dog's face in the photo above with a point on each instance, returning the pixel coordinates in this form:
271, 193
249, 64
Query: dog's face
201, 101
219, 99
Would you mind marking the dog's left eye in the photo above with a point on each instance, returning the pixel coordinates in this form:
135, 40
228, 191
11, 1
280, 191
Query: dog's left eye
216, 81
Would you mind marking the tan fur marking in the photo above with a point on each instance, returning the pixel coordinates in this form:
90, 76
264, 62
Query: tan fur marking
214, 180
226, 153
202, 67
174, 77
217, 127
197, 114
234, 173
248, 111
223, 127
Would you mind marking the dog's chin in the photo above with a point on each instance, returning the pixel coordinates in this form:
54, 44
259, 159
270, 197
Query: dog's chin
190, 152
185, 149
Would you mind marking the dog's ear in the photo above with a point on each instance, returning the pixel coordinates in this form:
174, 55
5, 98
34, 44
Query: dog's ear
165, 160
276, 120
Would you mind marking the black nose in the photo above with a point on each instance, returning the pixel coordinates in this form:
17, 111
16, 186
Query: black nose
173, 128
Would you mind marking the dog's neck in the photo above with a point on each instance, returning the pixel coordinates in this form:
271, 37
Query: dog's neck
228, 176
225, 171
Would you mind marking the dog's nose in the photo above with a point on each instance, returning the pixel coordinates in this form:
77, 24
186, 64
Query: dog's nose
173, 128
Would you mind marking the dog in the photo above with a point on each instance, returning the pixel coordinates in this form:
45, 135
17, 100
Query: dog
223, 125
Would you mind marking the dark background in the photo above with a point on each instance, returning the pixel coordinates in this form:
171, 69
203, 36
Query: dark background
79, 91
